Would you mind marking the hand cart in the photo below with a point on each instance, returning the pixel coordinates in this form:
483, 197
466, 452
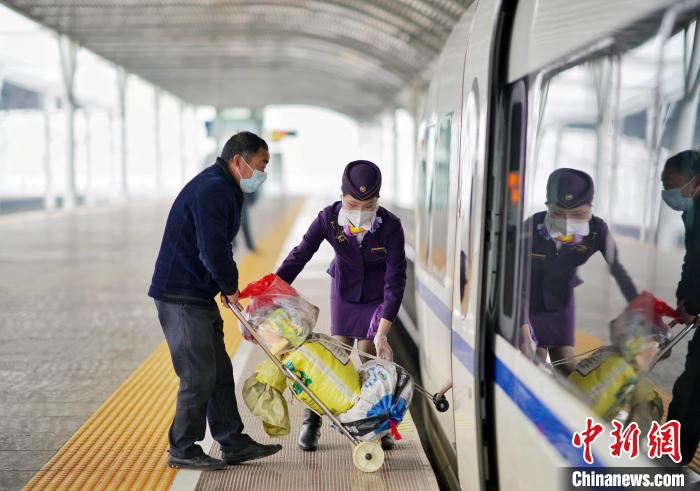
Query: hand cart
665, 341
367, 456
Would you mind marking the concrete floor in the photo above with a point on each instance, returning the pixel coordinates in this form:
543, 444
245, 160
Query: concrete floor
75, 319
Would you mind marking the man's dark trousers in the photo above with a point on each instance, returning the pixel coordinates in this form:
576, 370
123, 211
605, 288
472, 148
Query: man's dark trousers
195, 337
685, 405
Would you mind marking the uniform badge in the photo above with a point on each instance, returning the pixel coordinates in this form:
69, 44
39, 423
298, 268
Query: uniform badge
339, 232
568, 197
363, 189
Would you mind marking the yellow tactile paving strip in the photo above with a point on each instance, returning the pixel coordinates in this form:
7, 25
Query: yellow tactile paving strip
123, 444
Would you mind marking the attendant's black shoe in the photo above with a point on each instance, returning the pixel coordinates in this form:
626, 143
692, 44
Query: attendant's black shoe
201, 462
310, 431
253, 450
387, 442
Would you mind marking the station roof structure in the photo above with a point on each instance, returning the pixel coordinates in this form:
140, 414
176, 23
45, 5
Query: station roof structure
354, 56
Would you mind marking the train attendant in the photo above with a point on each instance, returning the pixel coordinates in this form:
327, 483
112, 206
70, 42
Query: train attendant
368, 273
562, 239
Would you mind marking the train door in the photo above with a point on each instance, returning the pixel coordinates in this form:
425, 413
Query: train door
439, 175
615, 114
466, 339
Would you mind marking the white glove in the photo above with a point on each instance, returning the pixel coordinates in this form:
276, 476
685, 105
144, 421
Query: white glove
382, 347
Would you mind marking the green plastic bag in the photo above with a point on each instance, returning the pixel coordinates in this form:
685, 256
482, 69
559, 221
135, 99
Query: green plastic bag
262, 393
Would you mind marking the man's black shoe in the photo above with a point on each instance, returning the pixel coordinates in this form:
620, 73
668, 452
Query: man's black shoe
310, 431
201, 462
252, 451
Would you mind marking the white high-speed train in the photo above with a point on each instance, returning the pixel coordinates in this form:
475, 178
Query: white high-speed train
522, 88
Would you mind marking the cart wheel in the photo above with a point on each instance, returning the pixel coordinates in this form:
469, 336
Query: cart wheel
368, 456
441, 404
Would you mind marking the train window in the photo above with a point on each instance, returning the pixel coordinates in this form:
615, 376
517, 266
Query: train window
515, 131
440, 198
607, 135
423, 190
471, 152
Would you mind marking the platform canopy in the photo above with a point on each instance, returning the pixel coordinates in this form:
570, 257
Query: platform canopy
354, 56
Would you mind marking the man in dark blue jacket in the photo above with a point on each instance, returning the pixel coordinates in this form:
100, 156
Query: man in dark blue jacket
194, 264
681, 181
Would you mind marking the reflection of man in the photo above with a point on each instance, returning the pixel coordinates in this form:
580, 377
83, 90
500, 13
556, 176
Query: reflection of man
681, 181
194, 264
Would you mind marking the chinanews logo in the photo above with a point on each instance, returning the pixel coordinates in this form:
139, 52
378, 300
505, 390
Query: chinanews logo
662, 440
628, 442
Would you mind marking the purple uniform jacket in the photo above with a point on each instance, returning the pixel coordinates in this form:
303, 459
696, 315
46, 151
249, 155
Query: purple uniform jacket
553, 273
361, 273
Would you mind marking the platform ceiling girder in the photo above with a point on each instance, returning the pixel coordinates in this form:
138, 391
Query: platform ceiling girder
354, 56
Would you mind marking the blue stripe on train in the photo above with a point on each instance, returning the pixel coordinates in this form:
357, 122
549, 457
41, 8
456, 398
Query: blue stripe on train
556, 432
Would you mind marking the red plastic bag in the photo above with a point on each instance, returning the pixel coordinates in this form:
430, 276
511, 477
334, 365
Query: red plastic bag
270, 284
263, 291
641, 321
282, 318
654, 308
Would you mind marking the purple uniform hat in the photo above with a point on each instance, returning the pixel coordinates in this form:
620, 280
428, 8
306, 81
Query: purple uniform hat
569, 188
362, 180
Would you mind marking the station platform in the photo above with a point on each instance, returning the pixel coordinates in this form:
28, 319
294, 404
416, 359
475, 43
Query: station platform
90, 404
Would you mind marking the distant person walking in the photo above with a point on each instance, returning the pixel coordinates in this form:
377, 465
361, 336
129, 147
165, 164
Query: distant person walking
194, 264
250, 199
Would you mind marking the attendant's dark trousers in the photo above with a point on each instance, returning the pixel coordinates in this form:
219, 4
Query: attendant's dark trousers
685, 406
195, 337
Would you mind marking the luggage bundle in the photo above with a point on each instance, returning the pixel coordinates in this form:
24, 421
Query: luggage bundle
386, 393
369, 403
363, 405
614, 377
283, 318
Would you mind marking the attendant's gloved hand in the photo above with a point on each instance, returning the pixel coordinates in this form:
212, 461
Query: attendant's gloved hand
381, 344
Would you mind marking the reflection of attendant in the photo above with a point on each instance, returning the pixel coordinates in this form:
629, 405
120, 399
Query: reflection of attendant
562, 239
368, 272
681, 181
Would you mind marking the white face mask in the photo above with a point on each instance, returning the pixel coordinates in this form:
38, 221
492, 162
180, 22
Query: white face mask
675, 199
251, 184
558, 227
360, 219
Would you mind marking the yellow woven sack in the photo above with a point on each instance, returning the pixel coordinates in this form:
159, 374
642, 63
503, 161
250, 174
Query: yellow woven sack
607, 379
267, 373
327, 371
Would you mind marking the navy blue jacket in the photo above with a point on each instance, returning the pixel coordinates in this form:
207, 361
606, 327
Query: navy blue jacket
195, 261
689, 285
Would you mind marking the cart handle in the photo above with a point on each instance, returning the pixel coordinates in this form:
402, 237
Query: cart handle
287, 372
673, 341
